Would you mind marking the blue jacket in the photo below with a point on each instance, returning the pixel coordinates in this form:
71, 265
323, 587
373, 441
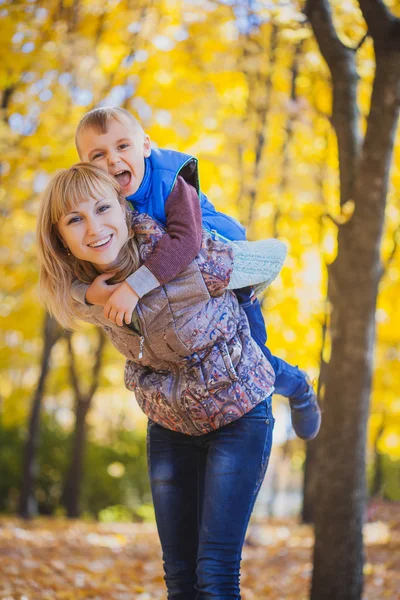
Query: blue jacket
161, 172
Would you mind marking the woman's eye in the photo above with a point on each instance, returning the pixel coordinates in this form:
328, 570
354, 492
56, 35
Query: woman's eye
103, 207
97, 156
73, 220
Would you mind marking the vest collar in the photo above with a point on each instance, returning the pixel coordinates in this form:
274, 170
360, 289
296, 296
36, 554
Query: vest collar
141, 197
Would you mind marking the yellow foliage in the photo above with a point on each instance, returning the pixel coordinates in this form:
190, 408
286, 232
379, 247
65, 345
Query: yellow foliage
199, 83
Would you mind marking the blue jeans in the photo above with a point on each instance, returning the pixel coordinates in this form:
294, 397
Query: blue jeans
289, 381
204, 489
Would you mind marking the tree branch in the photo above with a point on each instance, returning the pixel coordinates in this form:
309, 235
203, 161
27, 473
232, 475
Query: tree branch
72, 368
383, 27
396, 242
97, 364
345, 117
79, 395
332, 48
361, 42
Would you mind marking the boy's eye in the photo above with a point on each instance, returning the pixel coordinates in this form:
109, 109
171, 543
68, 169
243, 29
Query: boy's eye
103, 208
123, 146
97, 155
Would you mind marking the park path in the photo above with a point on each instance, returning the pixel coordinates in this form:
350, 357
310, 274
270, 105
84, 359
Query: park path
56, 559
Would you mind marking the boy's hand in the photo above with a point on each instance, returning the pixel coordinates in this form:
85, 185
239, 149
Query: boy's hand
99, 292
121, 305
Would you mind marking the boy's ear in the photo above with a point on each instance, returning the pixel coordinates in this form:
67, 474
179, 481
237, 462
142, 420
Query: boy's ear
146, 146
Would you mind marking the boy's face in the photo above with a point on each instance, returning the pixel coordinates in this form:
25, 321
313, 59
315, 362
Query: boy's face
120, 151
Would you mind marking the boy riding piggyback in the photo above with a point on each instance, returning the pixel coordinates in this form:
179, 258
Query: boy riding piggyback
165, 185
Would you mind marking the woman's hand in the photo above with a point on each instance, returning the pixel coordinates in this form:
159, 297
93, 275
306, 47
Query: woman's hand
121, 305
99, 292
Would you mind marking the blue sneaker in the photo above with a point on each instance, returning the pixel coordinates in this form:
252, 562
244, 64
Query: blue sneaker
306, 414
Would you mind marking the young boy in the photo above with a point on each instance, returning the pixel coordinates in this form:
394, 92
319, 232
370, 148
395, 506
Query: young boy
165, 185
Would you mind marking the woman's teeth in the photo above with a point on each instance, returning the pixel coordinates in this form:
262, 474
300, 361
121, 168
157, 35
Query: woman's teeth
101, 242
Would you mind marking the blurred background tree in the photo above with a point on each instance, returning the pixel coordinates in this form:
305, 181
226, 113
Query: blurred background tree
243, 86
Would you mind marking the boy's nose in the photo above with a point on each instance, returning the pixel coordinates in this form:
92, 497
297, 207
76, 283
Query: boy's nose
113, 159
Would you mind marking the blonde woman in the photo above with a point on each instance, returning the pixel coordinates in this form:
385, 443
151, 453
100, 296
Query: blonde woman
191, 361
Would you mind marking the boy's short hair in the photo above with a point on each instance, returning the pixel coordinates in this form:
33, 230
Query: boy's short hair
99, 120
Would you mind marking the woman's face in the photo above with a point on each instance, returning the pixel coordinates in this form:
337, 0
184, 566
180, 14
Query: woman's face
96, 229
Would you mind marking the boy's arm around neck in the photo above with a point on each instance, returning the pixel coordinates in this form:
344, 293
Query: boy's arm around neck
180, 244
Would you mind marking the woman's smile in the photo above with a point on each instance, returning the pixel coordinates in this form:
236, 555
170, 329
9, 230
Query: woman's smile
102, 244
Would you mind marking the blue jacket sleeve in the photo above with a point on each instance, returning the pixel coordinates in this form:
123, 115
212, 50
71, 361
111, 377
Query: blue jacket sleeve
223, 224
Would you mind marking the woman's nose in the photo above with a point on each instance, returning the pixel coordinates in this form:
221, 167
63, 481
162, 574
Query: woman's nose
94, 226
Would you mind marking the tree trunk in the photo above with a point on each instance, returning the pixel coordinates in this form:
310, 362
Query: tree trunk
74, 477
311, 471
377, 483
353, 286
310, 482
27, 503
73, 481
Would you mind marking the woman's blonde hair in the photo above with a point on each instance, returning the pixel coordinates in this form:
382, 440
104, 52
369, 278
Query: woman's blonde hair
57, 267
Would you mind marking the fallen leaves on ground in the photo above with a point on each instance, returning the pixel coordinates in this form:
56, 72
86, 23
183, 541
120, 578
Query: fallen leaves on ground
56, 559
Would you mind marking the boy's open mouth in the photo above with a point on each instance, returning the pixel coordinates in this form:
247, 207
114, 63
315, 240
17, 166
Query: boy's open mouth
123, 178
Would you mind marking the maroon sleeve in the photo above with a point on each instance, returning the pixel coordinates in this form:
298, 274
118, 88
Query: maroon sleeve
182, 241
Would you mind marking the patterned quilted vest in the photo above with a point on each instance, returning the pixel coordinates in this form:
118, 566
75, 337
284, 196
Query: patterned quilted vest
191, 361
194, 366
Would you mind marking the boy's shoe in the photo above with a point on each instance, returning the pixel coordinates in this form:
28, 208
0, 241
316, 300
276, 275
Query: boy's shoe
306, 414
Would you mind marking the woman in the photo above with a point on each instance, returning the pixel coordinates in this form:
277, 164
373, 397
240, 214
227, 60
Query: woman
195, 370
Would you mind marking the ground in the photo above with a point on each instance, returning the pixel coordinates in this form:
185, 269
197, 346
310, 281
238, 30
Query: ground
56, 559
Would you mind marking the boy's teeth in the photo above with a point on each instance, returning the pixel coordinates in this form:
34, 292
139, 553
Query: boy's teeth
101, 243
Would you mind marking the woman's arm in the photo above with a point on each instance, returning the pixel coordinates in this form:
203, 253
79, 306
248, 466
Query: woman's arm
234, 265
256, 264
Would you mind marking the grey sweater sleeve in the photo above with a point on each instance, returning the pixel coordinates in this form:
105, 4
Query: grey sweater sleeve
78, 292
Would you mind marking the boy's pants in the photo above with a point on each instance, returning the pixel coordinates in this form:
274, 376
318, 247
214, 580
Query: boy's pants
289, 381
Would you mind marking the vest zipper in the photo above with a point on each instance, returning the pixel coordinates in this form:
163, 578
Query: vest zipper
141, 345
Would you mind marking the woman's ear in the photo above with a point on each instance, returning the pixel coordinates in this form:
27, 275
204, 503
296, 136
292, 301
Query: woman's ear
58, 235
61, 241
63, 245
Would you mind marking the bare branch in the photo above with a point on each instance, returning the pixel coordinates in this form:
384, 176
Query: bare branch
332, 48
396, 242
97, 364
262, 110
79, 395
383, 27
345, 116
361, 42
72, 368
332, 218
